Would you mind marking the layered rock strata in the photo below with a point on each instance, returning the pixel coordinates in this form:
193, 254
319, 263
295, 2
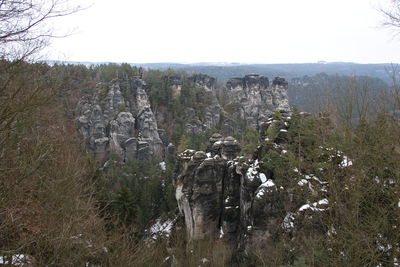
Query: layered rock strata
120, 121
251, 99
200, 188
256, 99
223, 195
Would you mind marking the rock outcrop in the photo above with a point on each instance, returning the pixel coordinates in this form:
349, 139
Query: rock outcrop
201, 188
203, 80
216, 190
223, 195
196, 124
175, 82
212, 113
120, 121
256, 98
250, 99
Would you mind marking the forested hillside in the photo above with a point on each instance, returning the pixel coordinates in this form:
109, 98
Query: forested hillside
226, 71
120, 165
315, 93
324, 189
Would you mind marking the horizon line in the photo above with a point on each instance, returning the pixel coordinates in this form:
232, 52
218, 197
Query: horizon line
217, 63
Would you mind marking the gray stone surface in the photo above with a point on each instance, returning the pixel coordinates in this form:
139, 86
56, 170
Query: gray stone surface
112, 121
207, 194
212, 113
221, 194
256, 98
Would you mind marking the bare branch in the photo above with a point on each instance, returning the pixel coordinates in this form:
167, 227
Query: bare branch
391, 16
24, 27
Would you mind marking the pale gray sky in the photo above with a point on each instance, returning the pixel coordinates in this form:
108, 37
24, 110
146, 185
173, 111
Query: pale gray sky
256, 31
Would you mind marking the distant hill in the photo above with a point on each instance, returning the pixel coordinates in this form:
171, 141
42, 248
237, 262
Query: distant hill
310, 84
224, 71
311, 93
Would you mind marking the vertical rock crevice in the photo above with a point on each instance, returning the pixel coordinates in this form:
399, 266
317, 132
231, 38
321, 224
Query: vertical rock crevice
120, 123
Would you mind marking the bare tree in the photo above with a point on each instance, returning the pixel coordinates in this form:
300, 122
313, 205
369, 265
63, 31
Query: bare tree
391, 15
25, 29
24, 25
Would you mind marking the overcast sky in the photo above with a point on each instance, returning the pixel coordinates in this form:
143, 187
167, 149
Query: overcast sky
250, 31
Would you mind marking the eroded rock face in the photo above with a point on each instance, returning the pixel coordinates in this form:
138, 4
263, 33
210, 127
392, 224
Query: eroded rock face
205, 81
196, 124
256, 98
212, 113
200, 188
175, 82
215, 190
251, 99
223, 195
112, 121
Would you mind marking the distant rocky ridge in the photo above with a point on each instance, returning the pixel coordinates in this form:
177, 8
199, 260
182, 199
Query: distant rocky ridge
253, 99
256, 98
124, 124
212, 112
118, 119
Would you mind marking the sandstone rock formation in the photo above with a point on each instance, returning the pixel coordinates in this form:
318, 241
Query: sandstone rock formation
212, 112
118, 119
175, 82
205, 81
256, 98
250, 99
221, 194
200, 187
120, 122
214, 190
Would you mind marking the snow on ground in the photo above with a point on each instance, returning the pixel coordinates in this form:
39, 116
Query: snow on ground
288, 221
159, 228
263, 188
332, 231
263, 178
346, 162
268, 183
231, 207
204, 260
221, 233
252, 171
382, 243
163, 166
260, 193
302, 182
313, 206
167, 258
16, 260
306, 181
313, 177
